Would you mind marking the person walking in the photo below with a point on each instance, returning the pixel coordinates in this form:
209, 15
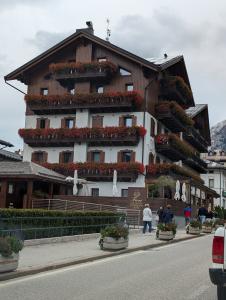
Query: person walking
209, 214
147, 218
202, 213
160, 213
168, 215
187, 214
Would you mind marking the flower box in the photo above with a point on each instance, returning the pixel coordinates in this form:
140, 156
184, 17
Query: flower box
166, 235
110, 243
207, 229
194, 230
8, 264
114, 237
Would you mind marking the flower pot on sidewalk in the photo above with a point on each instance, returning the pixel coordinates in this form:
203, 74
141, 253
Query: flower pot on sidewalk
194, 227
9, 253
114, 238
166, 232
166, 235
207, 227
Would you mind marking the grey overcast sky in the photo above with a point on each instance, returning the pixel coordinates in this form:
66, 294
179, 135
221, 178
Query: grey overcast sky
196, 29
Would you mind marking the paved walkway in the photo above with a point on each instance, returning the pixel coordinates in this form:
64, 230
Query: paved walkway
36, 257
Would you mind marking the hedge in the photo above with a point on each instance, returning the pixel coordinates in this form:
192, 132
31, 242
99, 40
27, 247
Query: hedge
39, 223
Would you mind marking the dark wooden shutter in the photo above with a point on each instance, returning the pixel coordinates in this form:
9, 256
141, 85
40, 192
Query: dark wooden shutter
121, 121
45, 156
102, 156
33, 156
97, 121
61, 157
47, 123
38, 123
134, 120
119, 156
63, 123
89, 156
133, 156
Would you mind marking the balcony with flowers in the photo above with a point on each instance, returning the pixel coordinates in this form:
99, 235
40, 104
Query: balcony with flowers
171, 146
175, 88
93, 136
59, 104
193, 137
77, 71
173, 116
100, 171
155, 170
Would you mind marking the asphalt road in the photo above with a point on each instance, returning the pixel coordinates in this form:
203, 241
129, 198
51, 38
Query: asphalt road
175, 272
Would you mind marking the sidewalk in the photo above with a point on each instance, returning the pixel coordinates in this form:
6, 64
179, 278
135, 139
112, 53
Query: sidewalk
39, 258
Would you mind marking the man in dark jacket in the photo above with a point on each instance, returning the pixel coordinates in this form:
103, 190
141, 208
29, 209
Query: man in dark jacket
168, 215
202, 214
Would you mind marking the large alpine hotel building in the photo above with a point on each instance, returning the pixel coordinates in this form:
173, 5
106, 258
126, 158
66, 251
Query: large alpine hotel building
95, 107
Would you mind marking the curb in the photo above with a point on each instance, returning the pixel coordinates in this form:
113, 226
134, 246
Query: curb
17, 274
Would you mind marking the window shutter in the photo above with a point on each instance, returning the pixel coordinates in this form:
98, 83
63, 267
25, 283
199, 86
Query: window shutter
119, 156
133, 156
102, 156
38, 123
33, 156
89, 156
63, 125
61, 157
47, 123
45, 156
97, 121
121, 121
134, 120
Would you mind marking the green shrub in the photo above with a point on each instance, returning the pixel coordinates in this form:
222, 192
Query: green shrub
9, 245
208, 224
195, 224
115, 232
167, 227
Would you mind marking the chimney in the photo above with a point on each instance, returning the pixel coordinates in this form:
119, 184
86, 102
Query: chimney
89, 28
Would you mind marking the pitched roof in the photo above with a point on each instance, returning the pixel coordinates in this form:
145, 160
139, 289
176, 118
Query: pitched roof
195, 110
4, 143
165, 62
78, 34
11, 155
28, 169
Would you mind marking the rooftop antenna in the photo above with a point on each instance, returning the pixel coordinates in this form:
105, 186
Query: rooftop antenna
108, 30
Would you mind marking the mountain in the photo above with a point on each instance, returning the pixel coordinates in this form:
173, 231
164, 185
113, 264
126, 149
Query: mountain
218, 136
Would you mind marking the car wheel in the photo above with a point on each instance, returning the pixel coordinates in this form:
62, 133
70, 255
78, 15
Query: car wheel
221, 292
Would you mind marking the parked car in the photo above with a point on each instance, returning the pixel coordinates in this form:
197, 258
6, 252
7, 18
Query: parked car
218, 270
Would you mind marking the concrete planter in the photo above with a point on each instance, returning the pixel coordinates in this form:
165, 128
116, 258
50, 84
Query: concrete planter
110, 243
166, 235
206, 229
8, 264
194, 230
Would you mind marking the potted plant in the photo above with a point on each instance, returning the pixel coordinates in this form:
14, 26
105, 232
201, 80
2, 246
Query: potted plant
166, 232
194, 227
114, 237
207, 227
10, 247
219, 223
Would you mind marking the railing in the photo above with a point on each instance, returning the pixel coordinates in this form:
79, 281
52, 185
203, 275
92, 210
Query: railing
132, 215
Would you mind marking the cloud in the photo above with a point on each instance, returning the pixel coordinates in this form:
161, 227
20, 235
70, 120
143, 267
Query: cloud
8, 4
45, 39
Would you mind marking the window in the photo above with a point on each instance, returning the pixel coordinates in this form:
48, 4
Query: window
42, 123
126, 156
124, 72
71, 90
10, 188
124, 192
211, 172
152, 127
44, 91
211, 183
100, 89
102, 59
157, 160
96, 156
67, 157
39, 156
128, 121
97, 121
95, 192
129, 87
69, 123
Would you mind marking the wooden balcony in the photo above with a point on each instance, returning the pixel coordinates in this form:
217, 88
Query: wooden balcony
193, 137
107, 136
62, 104
172, 116
69, 73
127, 172
170, 146
175, 88
197, 164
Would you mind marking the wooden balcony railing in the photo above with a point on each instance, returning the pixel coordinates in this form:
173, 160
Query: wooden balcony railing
72, 72
58, 104
100, 171
173, 116
194, 138
93, 136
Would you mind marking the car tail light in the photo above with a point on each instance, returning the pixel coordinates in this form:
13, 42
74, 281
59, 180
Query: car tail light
218, 250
